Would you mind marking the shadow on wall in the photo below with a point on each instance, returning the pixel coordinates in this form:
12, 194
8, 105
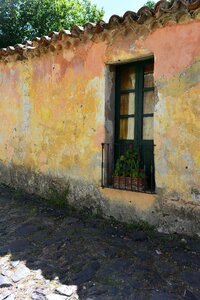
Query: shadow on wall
168, 214
78, 193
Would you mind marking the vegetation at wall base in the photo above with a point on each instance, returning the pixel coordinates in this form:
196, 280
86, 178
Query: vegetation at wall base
58, 198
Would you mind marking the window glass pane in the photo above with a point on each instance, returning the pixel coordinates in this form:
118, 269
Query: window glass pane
126, 129
127, 104
149, 102
148, 128
148, 76
128, 78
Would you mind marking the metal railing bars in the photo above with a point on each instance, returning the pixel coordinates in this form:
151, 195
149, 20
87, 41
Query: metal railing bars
127, 167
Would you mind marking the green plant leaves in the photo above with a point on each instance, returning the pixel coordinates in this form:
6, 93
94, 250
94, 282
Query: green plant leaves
128, 164
22, 20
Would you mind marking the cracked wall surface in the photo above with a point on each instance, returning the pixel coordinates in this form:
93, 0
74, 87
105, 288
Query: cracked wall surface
56, 108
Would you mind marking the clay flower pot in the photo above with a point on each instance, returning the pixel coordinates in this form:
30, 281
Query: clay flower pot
128, 183
138, 184
119, 182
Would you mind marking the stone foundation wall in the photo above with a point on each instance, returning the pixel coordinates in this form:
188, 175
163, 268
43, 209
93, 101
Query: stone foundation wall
169, 215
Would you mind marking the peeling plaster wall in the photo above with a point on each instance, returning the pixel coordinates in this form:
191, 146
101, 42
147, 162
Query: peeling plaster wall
52, 115
177, 112
57, 109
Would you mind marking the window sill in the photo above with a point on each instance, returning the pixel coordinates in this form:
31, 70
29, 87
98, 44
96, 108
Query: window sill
141, 201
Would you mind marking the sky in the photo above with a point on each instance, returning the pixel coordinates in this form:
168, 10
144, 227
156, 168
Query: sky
118, 7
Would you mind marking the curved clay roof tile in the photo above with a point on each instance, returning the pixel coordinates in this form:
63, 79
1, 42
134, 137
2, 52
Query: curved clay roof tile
29, 43
115, 19
54, 35
174, 7
76, 30
3, 52
164, 12
130, 15
162, 4
19, 48
144, 13
36, 39
30, 48
79, 28
11, 49
64, 33
191, 5
45, 40
101, 23
89, 27
100, 26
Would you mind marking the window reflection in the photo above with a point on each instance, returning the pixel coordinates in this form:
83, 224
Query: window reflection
148, 76
128, 78
149, 102
148, 128
127, 104
126, 129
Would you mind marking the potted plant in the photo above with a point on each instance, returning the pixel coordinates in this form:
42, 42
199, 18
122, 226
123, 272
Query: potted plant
127, 173
138, 181
119, 173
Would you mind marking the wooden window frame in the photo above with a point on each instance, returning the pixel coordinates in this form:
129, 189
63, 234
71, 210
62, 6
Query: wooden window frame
139, 95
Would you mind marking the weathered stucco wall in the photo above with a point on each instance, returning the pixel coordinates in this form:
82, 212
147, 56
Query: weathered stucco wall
56, 108
52, 114
177, 122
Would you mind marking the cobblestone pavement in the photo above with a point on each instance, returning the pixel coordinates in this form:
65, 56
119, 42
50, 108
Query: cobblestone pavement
55, 254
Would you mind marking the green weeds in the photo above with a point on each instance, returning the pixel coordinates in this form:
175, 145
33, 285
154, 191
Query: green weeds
58, 198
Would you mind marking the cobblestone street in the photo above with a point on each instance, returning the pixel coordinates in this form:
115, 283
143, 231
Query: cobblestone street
57, 254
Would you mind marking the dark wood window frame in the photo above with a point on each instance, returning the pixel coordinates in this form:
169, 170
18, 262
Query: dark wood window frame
146, 146
139, 93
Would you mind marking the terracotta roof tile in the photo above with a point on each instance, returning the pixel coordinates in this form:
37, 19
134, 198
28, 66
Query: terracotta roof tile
176, 11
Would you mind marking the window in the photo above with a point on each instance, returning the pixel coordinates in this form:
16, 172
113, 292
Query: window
135, 102
129, 163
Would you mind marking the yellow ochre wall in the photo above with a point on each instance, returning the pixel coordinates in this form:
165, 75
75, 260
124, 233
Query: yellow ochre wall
53, 113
